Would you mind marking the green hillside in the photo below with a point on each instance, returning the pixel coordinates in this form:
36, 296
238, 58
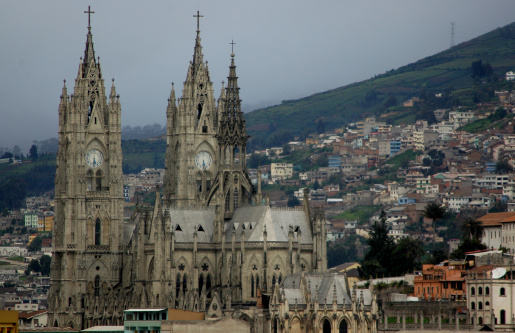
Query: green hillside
448, 71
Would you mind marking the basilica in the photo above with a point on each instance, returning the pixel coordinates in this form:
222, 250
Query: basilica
211, 243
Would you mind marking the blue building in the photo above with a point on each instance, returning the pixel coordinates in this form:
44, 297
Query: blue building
406, 200
490, 166
335, 161
395, 147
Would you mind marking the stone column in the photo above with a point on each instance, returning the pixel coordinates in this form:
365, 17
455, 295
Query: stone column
439, 321
403, 321
422, 321
457, 322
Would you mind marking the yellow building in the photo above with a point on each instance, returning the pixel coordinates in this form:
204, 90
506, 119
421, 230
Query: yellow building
41, 222
312, 141
49, 221
8, 321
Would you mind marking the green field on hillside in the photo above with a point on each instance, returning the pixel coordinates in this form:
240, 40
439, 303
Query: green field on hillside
447, 70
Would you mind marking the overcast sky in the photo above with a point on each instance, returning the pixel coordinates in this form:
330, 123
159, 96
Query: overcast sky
284, 49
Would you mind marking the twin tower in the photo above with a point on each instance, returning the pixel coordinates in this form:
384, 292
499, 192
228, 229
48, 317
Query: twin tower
209, 242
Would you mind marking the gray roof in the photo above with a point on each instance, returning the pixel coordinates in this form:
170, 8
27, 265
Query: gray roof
252, 220
128, 230
327, 285
185, 222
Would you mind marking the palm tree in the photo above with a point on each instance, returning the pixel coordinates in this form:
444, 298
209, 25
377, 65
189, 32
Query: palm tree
472, 228
434, 211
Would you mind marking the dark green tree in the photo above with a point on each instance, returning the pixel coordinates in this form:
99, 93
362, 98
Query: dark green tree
322, 160
378, 260
434, 211
34, 266
44, 263
293, 201
316, 185
33, 153
391, 101
467, 245
503, 167
35, 245
407, 255
320, 126
472, 228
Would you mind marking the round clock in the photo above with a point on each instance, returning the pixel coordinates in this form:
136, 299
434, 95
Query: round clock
94, 158
203, 160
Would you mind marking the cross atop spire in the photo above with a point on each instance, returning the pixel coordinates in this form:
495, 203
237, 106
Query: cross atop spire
198, 16
232, 47
89, 12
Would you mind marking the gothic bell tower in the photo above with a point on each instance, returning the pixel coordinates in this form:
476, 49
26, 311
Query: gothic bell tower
192, 123
232, 182
89, 194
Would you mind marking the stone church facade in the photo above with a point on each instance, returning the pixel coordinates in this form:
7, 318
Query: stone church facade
211, 242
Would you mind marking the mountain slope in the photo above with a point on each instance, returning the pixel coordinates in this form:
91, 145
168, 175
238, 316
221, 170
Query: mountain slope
447, 70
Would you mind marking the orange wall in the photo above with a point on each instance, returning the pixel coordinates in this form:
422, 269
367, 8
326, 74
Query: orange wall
176, 314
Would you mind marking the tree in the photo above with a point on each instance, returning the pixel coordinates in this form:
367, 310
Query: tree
35, 245
391, 101
34, 266
44, 263
9, 284
467, 245
320, 126
503, 166
316, 185
323, 160
286, 149
407, 255
33, 153
434, 211
378, 261
293, 201
472, 228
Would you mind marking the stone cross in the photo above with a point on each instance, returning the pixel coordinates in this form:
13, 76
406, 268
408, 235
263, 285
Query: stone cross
89, 12
198, 16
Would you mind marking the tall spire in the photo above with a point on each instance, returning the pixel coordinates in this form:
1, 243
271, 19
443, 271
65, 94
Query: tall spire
198, 57
89, 52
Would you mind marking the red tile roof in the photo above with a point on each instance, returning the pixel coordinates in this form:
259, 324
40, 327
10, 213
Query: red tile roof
494, 219
27, 315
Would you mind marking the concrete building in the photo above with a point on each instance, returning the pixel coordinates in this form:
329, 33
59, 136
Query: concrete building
281, 171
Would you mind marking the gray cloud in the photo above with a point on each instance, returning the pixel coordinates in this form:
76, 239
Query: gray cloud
285, 49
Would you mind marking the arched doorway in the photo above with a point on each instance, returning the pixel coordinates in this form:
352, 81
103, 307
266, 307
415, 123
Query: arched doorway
343, 326
326, 326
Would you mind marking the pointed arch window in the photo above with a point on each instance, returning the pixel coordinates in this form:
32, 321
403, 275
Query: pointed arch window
200, 284
228, 202
236, 198
236, 155
208, 286
343, 326
98, 231
89, 180
177, 285
252, 286
199, 110
185, 283
97, 286
98, 180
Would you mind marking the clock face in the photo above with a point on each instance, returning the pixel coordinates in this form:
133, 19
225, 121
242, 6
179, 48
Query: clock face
203, 160
94, 158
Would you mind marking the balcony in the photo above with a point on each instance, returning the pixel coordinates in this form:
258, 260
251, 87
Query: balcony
98, 248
